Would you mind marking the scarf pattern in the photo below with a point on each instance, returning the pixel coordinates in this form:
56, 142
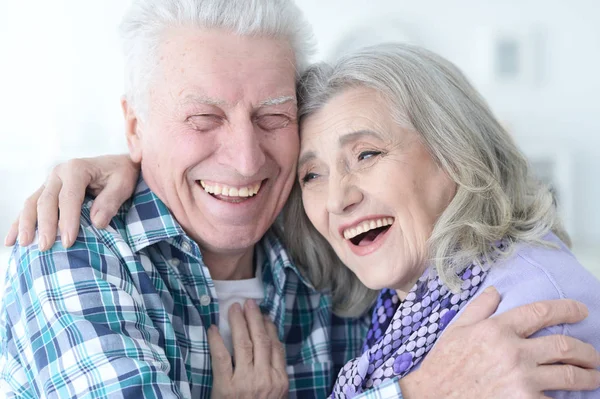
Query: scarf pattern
403, 332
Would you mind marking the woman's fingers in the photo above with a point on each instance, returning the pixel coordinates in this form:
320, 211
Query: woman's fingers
277, 350
13, 232
259, 369
109, 200
57, 204
75, 176
28, 218
221, 359
278, 363
114, 180
261, 340
243, 350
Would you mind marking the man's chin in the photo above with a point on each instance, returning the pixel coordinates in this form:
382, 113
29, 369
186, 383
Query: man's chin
230, 240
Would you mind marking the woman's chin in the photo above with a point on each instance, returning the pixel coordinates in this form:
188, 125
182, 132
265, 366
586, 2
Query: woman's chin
373, 281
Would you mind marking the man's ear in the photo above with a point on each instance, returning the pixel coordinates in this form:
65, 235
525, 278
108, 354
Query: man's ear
132, 131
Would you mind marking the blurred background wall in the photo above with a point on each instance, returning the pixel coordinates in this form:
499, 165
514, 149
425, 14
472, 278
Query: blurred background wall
535, 61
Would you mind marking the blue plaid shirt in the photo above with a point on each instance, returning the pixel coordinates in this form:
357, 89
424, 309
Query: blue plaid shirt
124, 312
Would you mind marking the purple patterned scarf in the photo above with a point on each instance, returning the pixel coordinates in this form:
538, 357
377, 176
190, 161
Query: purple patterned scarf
403, 332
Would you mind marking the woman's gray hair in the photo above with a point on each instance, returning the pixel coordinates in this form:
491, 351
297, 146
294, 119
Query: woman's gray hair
143, 25
496, 197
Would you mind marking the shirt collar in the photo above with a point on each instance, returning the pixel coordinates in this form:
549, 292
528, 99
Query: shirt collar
148, 220
275, 255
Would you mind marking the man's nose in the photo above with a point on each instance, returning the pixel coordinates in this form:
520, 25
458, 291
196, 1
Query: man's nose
242, 149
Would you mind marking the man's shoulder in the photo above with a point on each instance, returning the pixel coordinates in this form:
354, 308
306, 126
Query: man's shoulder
91, 245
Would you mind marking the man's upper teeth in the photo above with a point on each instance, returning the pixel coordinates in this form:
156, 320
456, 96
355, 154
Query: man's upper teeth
366, 226
227, 191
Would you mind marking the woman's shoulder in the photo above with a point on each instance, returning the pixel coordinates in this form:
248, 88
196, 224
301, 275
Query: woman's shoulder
535, 273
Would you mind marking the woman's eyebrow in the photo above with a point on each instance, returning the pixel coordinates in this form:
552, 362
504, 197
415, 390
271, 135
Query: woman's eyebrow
351, 137
306, 157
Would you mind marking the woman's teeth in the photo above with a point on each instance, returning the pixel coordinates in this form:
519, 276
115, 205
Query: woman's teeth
367, 226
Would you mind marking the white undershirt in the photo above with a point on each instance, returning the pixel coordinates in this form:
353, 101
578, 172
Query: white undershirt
232, 291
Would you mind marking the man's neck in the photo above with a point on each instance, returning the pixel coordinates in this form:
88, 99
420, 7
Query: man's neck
238, 266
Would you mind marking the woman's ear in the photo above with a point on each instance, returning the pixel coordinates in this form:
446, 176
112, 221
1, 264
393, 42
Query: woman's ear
132, 131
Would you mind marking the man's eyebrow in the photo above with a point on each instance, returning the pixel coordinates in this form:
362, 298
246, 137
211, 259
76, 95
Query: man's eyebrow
347, 138
277, 101
306, 157
199, 99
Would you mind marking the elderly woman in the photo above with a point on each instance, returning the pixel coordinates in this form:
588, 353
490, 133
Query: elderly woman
424, 197
412, 197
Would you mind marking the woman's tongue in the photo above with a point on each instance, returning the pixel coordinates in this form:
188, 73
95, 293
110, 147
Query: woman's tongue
367, 238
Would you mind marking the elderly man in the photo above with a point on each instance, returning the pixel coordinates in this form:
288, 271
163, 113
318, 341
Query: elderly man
210, 114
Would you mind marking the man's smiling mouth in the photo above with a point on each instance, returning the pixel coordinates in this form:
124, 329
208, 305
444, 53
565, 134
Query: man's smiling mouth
233, 194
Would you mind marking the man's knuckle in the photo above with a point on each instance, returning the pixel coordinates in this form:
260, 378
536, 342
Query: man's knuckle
487, 331
541, 311
221, 358
33, 201
246, 347
75, 164
264, 340
570, 375
284, 384
263, 385
279, 349
245, 344
563, 345
67, 194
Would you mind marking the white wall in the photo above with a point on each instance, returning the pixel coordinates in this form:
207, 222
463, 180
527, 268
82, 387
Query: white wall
60, 83
60, 80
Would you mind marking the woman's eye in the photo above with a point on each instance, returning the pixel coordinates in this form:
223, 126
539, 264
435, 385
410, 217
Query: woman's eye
309, 176
368, 154
204, 122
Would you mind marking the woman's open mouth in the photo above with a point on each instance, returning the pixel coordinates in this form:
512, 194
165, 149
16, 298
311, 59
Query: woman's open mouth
367, 232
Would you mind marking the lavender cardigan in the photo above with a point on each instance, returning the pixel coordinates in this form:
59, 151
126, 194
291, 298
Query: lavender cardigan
535, 273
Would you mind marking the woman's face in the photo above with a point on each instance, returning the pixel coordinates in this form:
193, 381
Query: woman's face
371, 188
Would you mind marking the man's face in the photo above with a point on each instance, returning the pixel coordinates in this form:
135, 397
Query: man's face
220, 141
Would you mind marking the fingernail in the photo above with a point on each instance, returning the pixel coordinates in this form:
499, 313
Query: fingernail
65, 239
98, 220
583, 309
251, 304
23, 237
490, 290
236, 307
42, 242
6, 241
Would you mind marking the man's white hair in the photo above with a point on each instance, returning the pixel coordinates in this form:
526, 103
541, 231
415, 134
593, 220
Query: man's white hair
145, 22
